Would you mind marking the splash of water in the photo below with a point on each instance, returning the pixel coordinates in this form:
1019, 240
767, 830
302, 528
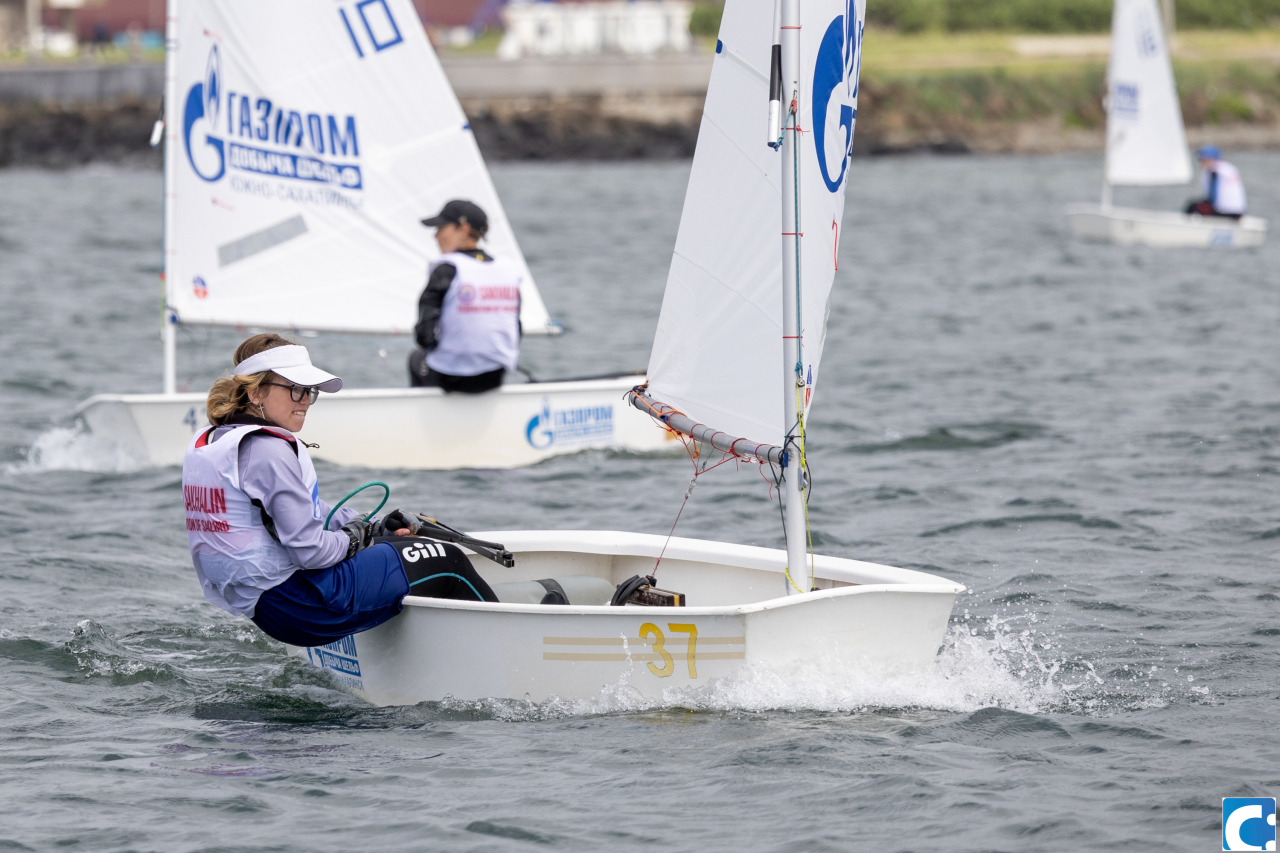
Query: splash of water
75, 449
998, 662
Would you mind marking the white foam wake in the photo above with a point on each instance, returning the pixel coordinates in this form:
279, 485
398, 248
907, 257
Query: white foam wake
1001, 664
75, 449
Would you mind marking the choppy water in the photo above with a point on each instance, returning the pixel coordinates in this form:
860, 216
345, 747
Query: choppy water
1084, 435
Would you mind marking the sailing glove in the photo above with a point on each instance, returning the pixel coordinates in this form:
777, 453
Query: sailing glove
361, 534
396, 520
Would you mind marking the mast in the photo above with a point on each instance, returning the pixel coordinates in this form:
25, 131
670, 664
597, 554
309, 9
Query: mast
168, 319
795, 523
1106, 109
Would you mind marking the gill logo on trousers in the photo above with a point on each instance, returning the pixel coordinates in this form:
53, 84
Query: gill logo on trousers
418, 550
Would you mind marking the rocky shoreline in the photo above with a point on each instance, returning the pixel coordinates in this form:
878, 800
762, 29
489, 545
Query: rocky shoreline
51, 117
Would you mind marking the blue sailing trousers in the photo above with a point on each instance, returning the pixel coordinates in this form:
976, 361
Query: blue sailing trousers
317, 606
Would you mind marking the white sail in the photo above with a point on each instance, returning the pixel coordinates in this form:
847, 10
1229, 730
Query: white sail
1146, 143
717, 350
306, 141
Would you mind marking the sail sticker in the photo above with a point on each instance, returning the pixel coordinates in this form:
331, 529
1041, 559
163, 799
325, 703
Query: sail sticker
576, 425
207, 159
264, 137
1148, 42
260, 241
1124, 100
835, 95
342, 13
340, 659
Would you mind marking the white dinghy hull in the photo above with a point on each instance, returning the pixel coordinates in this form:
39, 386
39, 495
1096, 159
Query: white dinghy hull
1127, 226
515, 425
864, 617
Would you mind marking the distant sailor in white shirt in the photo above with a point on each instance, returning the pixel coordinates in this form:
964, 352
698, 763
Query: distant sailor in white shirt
468, 329
1221, 184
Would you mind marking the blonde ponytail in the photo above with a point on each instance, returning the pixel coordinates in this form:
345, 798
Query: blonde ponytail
230, 394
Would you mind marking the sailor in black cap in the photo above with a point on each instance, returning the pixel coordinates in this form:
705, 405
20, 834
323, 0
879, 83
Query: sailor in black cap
468, 329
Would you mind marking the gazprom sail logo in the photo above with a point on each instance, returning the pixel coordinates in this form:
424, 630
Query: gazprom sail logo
207, 157
1124, 100
577, 425
835, 94
249, 132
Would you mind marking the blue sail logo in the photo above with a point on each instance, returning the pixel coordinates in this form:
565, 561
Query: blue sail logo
202, 104
835, 87
265, 138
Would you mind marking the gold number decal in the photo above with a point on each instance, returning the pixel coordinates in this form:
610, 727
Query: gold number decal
692, 631
649, 629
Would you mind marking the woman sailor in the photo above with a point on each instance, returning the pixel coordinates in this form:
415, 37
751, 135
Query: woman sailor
1222, 187
256, 522
468, 328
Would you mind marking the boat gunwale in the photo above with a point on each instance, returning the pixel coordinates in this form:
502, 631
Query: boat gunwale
518, 389
1168, 217
632, 611
630, 544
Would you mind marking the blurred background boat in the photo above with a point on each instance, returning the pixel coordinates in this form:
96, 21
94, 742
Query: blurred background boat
273, 222
1147, 145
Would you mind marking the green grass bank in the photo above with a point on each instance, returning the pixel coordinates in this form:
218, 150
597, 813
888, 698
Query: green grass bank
1029, 16
1023, 93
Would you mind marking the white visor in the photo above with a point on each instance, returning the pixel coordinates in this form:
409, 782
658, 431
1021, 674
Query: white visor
289, 362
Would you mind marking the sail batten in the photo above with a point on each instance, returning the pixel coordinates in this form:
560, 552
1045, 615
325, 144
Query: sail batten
306, 144
1146, 141
720, 335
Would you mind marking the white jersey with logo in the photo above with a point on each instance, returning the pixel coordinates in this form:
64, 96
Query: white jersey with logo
1228, 196
235, 557
479, 326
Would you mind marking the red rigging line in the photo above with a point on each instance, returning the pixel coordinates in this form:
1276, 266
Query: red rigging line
678, 422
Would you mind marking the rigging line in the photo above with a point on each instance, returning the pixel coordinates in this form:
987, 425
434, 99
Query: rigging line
689, 491
767, 481
804, 468
786, 569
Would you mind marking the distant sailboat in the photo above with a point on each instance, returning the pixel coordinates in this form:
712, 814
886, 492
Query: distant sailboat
738, 347
303, 144
1147, 145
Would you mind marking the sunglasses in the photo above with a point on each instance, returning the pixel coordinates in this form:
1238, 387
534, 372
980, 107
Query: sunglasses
297, 392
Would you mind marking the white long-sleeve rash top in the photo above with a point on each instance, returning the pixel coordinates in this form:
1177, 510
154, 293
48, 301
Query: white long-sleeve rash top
270, 473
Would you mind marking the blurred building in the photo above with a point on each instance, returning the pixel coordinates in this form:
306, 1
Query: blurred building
95, 19
18, 19
449, 14
639, 27
564, 28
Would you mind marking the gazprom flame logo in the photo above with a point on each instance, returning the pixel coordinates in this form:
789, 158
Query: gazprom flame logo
207, 157
579, 425
835, 94
540, 433
224, 126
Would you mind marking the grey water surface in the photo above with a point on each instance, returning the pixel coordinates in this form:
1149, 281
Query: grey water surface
1086, 436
